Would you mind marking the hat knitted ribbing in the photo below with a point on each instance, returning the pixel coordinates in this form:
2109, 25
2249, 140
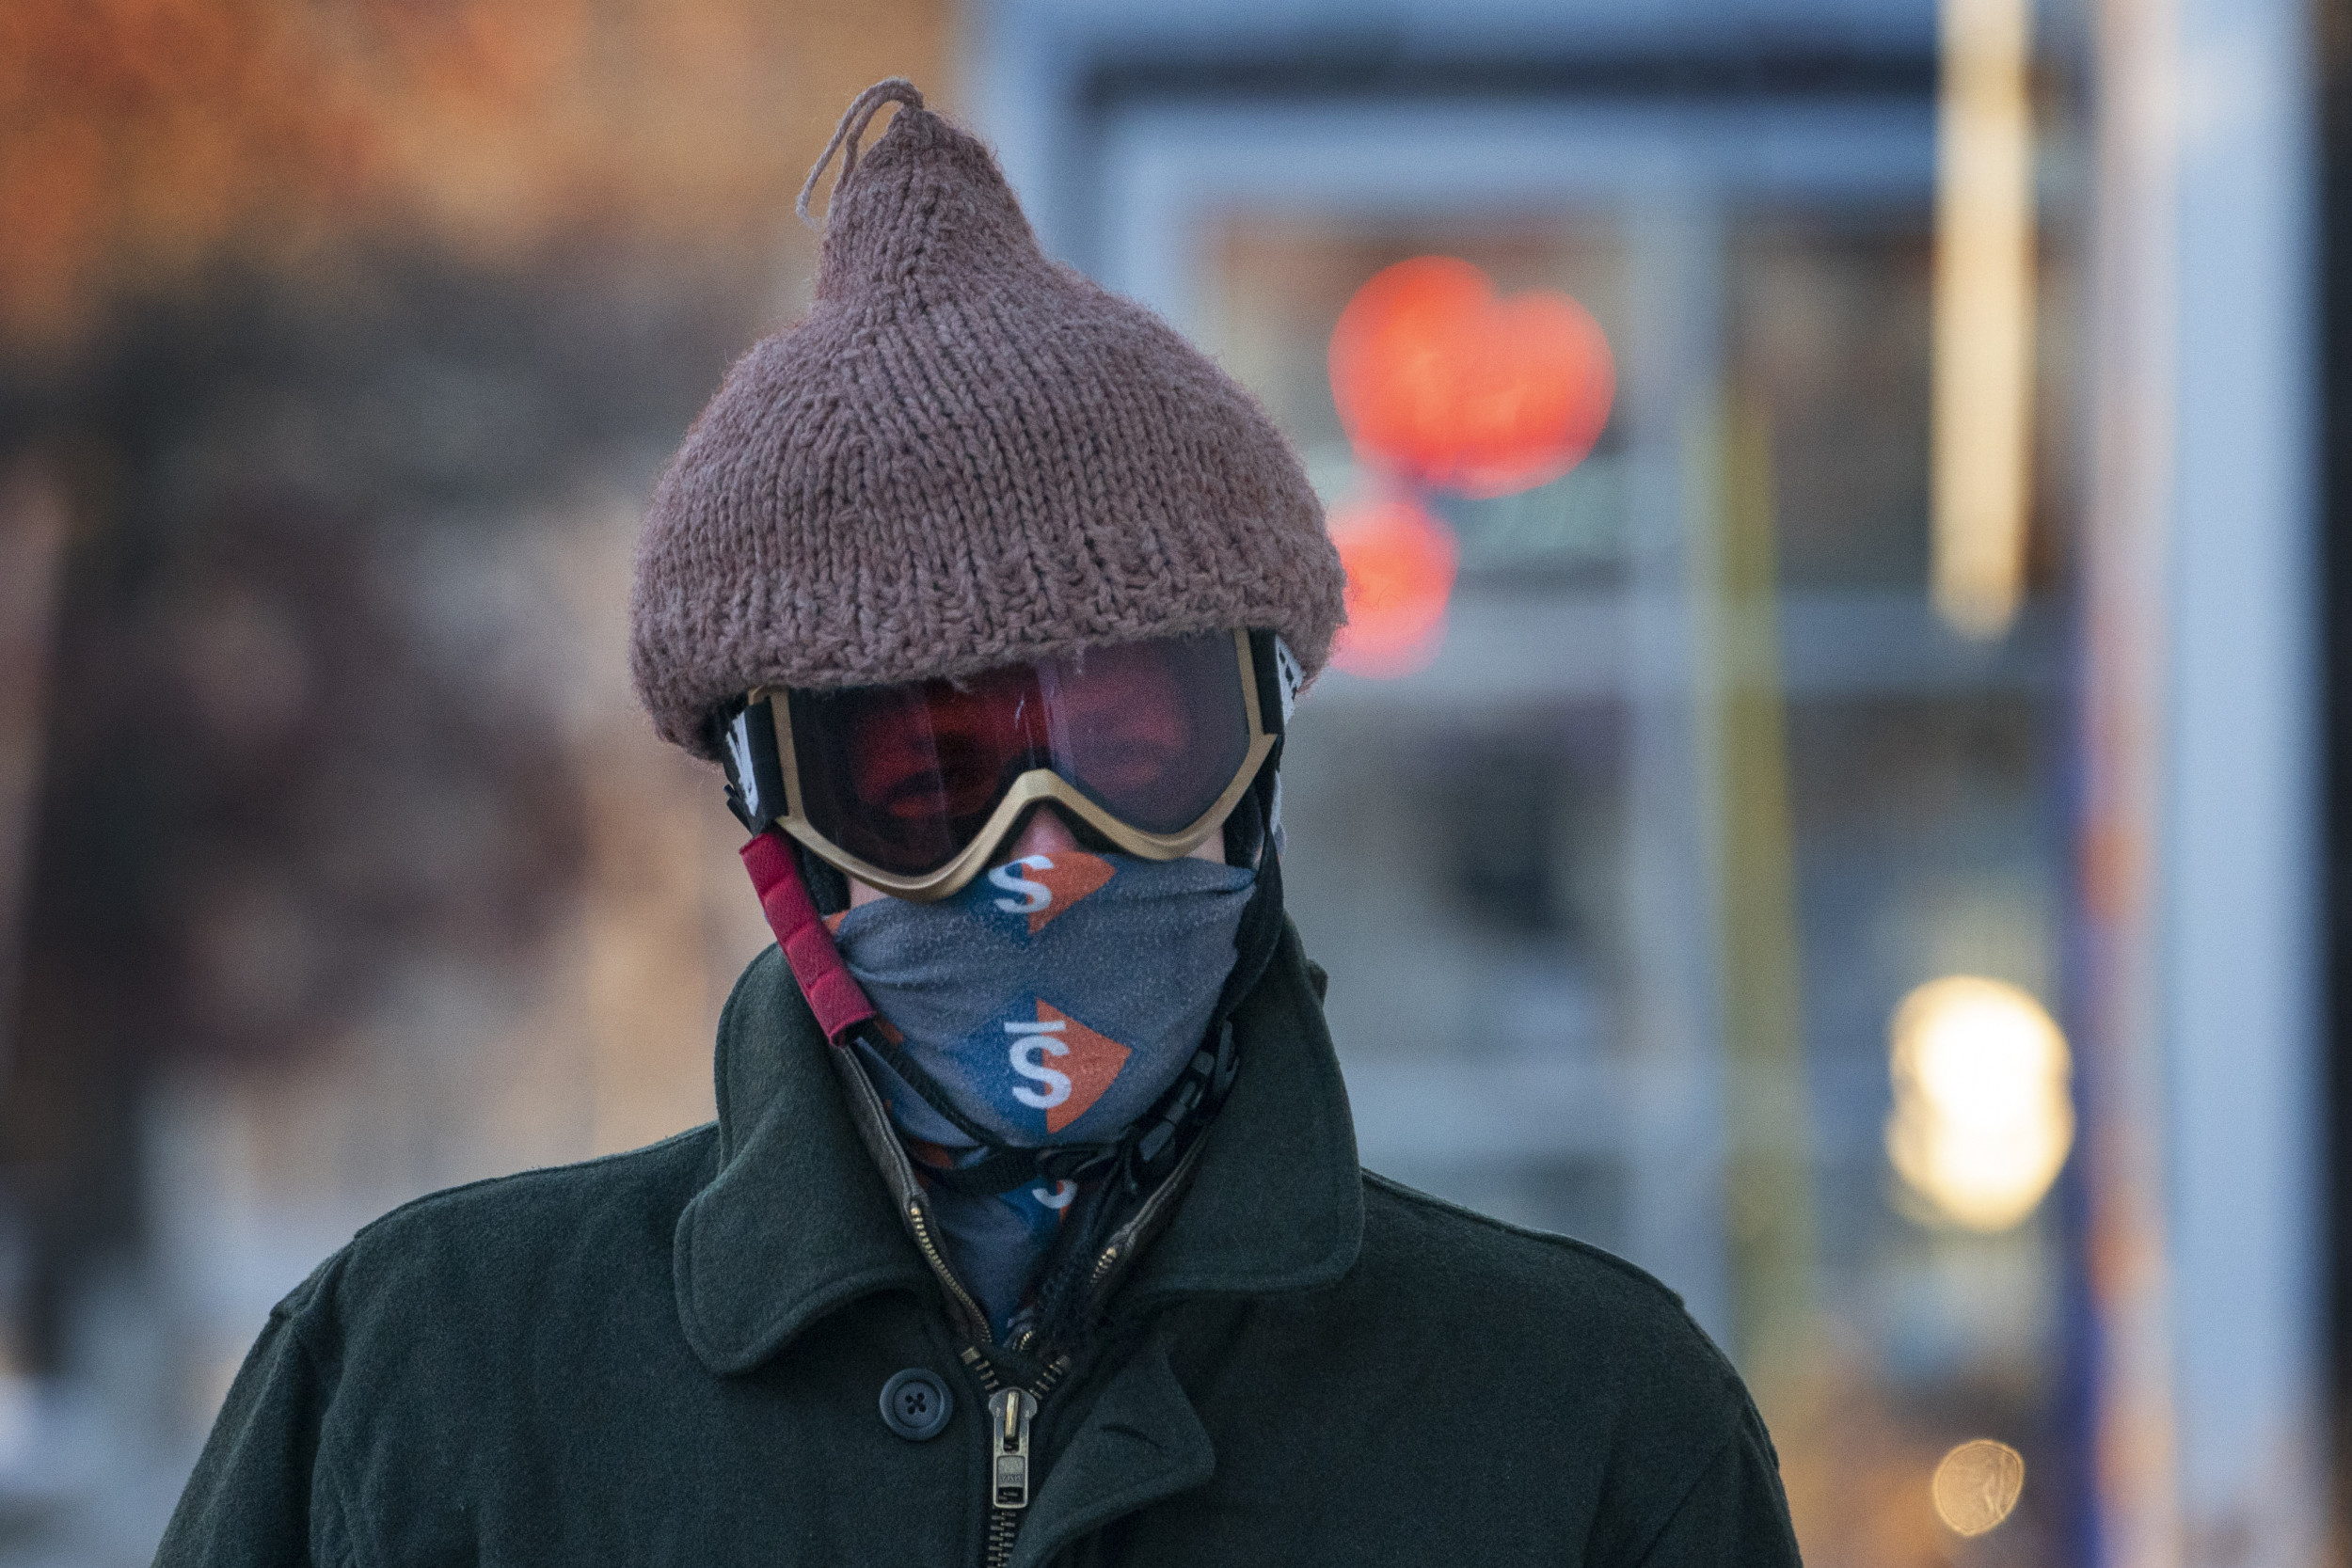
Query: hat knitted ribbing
965, 455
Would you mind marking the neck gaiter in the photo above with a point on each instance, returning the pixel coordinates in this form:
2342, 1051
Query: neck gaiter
1053, 1000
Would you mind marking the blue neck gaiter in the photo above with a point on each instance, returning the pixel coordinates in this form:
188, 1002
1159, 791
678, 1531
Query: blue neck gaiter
1053, 1000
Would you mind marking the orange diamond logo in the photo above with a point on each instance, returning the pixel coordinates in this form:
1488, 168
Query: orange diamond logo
1093, 1063
1070, 878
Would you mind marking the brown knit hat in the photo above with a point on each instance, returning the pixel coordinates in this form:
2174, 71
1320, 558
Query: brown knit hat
964, 456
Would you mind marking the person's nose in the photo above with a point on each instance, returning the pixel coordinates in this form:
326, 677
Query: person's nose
1046, 834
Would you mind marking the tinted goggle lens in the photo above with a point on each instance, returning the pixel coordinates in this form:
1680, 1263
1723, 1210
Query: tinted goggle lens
904, 777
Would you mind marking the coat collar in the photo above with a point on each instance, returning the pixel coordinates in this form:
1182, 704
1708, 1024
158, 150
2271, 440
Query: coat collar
797, 1223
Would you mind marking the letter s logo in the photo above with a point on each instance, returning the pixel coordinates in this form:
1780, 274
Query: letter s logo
1030, 897
1028, 1040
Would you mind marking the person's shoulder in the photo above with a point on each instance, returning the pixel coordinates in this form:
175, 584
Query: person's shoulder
1410, 1229
1534, 1299
501, 1241
601, 1188
1578, 1354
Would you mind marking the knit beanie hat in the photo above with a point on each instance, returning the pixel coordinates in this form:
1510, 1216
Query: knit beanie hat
966, 455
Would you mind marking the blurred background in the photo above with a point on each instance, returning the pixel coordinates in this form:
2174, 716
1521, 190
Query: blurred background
1830, 791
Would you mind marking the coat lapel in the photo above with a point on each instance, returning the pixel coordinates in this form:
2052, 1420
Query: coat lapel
797, 1223
1278, 1201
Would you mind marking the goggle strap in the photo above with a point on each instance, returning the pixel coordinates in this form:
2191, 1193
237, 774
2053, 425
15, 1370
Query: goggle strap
1261, 932
837, 999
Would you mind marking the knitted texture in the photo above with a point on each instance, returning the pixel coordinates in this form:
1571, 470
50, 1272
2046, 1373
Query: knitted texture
966, 456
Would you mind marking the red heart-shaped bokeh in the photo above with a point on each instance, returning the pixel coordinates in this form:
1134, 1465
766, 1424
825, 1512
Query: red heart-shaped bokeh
1443, 384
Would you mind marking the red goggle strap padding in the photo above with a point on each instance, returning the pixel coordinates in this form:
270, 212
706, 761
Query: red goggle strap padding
836, 998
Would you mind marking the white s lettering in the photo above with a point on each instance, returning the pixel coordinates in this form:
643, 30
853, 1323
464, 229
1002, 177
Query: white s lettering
1031, 1038
1031, 897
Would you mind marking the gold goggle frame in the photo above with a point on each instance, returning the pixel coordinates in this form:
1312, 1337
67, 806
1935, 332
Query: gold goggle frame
1037, 784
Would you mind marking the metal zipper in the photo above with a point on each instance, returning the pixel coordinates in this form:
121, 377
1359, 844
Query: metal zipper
1010, 1410
873, 1123
920, 1221
1009, 1476
1129, 1237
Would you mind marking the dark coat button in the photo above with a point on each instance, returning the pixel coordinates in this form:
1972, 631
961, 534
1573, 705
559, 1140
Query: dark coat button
915, 1405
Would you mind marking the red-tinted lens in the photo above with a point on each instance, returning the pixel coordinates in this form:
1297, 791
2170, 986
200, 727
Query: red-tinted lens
1152, 731
902, 777
935, 749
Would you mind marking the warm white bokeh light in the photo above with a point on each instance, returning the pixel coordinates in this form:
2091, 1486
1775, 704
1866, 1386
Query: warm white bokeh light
1977, 1485
1983, 1117
1981, 443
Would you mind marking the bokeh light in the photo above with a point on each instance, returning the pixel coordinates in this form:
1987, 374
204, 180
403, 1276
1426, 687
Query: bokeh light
1977, 1485
1400, 565
1443, 384
1982, 1118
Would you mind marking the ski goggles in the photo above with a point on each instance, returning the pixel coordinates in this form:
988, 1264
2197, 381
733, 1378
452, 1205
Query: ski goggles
913, 788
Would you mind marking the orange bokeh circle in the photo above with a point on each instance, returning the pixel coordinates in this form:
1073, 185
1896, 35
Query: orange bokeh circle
1400, 564
1443, 384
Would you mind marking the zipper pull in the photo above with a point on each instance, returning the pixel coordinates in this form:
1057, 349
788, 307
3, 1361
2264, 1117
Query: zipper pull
1008, 1413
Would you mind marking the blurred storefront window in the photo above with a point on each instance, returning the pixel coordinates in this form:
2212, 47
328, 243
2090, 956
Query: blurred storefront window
1624, 875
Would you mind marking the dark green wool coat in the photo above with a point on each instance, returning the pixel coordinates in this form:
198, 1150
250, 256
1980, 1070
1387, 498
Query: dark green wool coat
675, 1355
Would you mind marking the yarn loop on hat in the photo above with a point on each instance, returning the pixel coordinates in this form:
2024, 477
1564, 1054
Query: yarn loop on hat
966, 455
845, 136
